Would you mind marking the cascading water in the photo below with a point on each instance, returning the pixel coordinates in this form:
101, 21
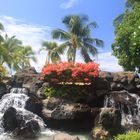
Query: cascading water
17, 98
130, 113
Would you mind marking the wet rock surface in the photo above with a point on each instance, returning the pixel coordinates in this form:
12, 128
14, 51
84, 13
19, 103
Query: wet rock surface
57, 109
3, 89
34, 105
107, 123
15, 122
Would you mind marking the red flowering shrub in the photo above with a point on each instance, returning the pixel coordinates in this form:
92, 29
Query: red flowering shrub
67, 72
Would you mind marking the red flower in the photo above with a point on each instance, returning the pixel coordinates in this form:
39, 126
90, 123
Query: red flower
76, 72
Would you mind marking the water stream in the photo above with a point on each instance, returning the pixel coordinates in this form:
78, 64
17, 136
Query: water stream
130, 114
17, 98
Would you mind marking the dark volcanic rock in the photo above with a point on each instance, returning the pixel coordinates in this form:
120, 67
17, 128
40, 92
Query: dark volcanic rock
123, 97
9, 119
27, 78
34, 105
109, 118
56, 109
3, 89
107, 123
61, 114
30, 130
15, 122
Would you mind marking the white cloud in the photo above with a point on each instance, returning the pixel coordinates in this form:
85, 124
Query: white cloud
33, 35
108, 62
69, 4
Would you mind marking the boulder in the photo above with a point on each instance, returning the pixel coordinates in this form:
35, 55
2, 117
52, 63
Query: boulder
10, 122
107, 124
55, 108
109, 118
3, 89
106, 75
34, 105
63, 136
30, 130
123, 97
27, 78
101, 84
116, 86
124, 77
16, 123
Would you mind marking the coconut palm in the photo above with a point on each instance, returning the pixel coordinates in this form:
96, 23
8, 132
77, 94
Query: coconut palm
3, 52
78, 37
1, 29
11, 45
53, 53
18, 56
24, 55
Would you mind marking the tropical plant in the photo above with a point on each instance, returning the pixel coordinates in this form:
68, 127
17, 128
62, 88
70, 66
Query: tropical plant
126, 46
23, 55
1, 29
53, 54
132, 135
17, 56
3, 72
77, 37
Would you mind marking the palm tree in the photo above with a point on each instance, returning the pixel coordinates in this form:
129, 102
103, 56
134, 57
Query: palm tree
78, 37
1, 29
3, 52
18, 56
24, 55
11, 45
53, 52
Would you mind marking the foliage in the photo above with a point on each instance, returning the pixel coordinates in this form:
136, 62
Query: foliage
3, 72
13, 53
68, 72
49, 92
127, 41
78, 37
64, 90
53, 52
132, 135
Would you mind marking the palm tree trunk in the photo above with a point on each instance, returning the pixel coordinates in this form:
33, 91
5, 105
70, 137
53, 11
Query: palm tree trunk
74, 56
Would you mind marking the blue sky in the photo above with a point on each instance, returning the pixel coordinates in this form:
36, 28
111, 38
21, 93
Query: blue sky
32, 21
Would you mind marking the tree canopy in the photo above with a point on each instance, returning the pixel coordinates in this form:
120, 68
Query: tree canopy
13, 53
126, 46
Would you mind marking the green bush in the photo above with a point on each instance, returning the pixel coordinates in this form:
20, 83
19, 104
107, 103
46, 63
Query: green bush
64, 90
132, 135
49, 92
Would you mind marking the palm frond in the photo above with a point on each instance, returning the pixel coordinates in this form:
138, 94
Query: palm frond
1, 27
92, 25
98, 42
85, 55
60, 34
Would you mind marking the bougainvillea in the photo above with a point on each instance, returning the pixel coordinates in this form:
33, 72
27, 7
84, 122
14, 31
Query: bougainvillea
67, 72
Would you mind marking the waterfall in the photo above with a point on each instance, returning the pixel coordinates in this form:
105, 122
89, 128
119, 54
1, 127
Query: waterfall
130, 113
17, 98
